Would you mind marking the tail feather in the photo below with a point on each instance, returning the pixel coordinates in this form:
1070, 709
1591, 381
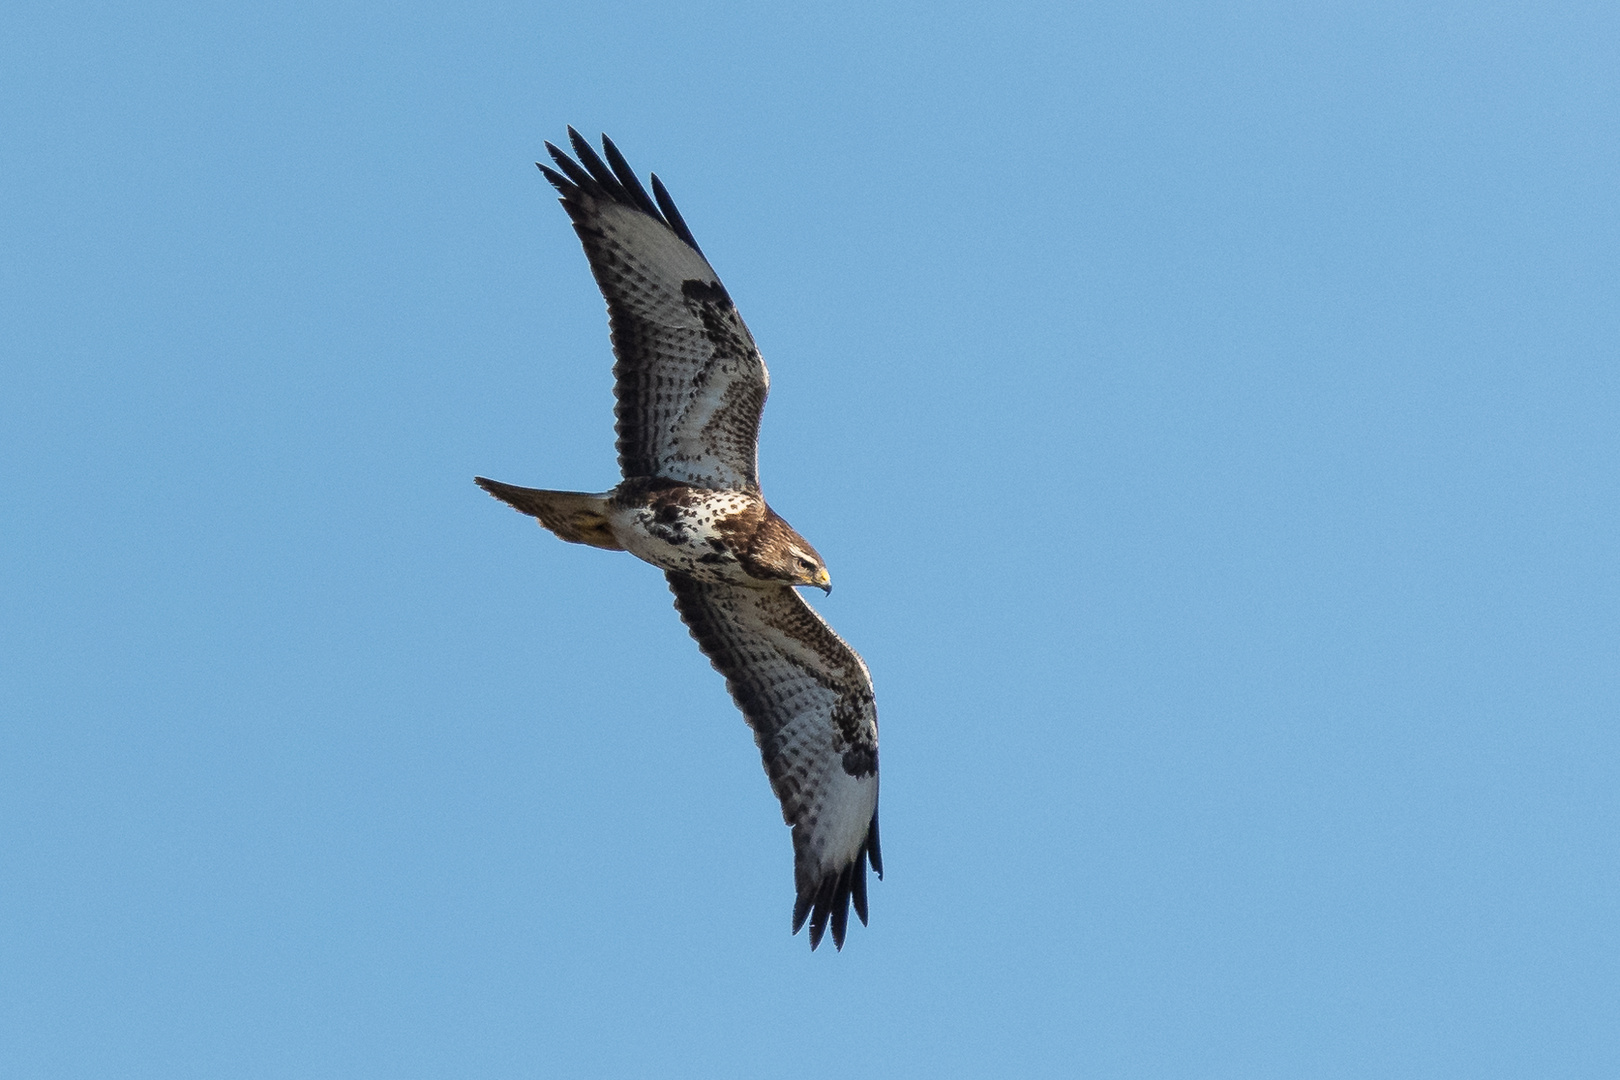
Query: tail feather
573, 515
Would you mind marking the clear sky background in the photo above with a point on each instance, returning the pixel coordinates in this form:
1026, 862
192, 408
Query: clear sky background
1208, 413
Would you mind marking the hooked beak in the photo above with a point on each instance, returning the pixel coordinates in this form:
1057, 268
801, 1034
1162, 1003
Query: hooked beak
823, 580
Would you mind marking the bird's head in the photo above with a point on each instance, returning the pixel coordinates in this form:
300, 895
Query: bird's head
781, 554
808, 569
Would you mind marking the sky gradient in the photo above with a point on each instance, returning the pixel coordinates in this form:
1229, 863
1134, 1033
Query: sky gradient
1207, 412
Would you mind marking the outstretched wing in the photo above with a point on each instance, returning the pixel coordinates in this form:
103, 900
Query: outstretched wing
689, 382
808, 697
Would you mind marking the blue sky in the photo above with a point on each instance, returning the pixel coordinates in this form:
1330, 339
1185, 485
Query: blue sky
1207, 412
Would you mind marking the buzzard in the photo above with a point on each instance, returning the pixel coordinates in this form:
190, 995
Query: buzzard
690, 385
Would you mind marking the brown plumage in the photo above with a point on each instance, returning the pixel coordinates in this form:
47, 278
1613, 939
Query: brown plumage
690, 386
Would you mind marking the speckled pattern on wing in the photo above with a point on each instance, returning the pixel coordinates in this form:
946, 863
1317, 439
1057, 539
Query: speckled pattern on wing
808, 697
690, 382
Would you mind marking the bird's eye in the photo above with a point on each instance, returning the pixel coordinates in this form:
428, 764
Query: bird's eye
807, 564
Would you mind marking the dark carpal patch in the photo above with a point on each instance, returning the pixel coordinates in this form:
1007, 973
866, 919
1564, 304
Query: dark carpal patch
709, 302
706, 292
860, 761
849, 717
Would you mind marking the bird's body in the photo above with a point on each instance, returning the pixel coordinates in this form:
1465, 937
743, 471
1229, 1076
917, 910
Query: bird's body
690, 385
694, 531
729, 537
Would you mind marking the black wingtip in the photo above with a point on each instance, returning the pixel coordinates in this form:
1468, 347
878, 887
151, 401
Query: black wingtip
577, 177
672, 215
823, 910
840, 906
597, 167
612, 179
627, 176
873, 851
857, 887
801, 910
555, 179
826, 903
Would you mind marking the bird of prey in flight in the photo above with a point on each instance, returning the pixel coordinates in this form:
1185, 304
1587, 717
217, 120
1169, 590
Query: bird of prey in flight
690, 385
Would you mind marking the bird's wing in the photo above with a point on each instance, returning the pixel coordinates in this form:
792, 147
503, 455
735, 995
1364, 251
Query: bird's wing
689, 381
808, 697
